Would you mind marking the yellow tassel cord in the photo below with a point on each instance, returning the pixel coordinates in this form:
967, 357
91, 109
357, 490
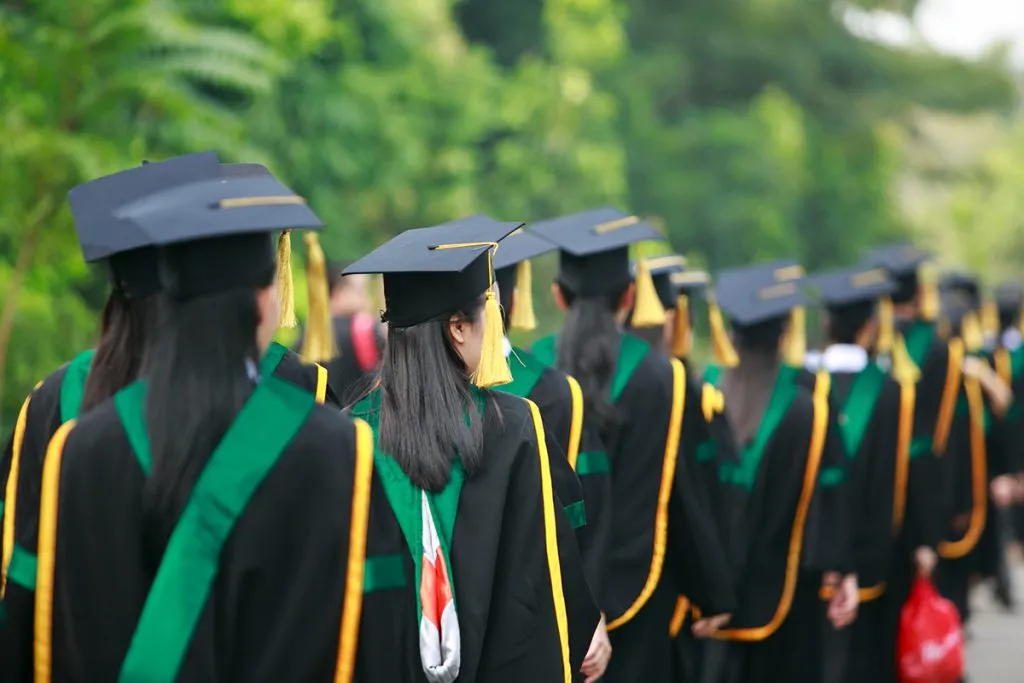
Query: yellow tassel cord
796, 338
318, 342
377, 298
493, 369
681, 337
647, 308
523, 317
725, 354
928, 291
285, 287
990, 319
970, 332
886, 327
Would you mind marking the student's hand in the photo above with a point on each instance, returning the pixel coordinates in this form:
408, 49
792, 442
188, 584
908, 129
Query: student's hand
842, 609
598, 655
1003, 490
925, 560
708, 626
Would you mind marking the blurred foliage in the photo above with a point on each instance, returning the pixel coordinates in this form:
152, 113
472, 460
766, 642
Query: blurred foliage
751, 129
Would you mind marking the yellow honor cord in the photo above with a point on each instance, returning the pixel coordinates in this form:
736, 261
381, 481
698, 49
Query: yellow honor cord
970, 332
725, 354
285, 286
990, 318
681, 337
318, 341
493, 369
522, 316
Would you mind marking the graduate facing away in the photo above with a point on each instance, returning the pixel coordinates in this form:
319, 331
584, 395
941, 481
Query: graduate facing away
663, 542
473, 571
206, 474
790, 523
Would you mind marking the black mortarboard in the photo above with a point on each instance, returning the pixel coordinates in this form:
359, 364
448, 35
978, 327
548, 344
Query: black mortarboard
132, 263
431, 272
217, 232
1009, 298
904, 262
852, 286
594, 248
962, 284
690, 282
755, 294
662, 268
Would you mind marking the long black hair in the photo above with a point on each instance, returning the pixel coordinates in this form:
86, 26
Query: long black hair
428, 415
126, 328
760, 338
588, 349
198, 382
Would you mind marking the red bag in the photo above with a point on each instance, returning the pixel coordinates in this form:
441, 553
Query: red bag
930, 648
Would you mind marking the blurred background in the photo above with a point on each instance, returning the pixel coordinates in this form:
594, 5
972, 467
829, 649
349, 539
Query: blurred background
749, 129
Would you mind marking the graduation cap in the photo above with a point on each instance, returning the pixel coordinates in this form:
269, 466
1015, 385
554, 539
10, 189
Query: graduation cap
430, 272
126, 248
757, 294
661, 269
215, 233
594, 251
855, 293
514, 273
912, 271
1009, 300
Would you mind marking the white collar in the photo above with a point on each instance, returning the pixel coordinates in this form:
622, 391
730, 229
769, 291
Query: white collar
507, 345
1011, 339
847, 358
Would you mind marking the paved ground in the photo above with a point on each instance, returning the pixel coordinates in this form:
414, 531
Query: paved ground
995, 653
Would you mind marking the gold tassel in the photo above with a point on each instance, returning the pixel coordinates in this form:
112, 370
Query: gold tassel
796, 338
970, 332
928, 289
377, 298
493, 369
990, 319
522, 317
903, 367
681, 337
725, 354
886, 326
285, 287
647, 308
318, 341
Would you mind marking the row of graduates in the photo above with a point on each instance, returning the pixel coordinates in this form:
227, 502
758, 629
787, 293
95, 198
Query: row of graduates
189, 502
180, 508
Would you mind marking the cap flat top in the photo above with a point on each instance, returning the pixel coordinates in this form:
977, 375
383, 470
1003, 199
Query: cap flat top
94, 204
691, 279
245, 170
753, 294
898, 259
595, 231
424, 250
520, 246
663, 265
219, 208
852, 285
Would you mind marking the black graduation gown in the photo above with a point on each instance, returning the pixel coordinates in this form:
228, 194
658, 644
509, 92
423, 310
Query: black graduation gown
896, 501
53, 402
560, 401
663, 542
507, 536
283, 604
794, 528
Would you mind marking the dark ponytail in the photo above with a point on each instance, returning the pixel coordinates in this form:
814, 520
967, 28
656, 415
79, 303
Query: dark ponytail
126, 327
425, 398
588, 349
198, 382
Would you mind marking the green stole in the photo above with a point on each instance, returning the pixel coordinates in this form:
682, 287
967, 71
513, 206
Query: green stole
632, 351
859, 406
918, 341
267, 423
744, 472
72, 386
404, 497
